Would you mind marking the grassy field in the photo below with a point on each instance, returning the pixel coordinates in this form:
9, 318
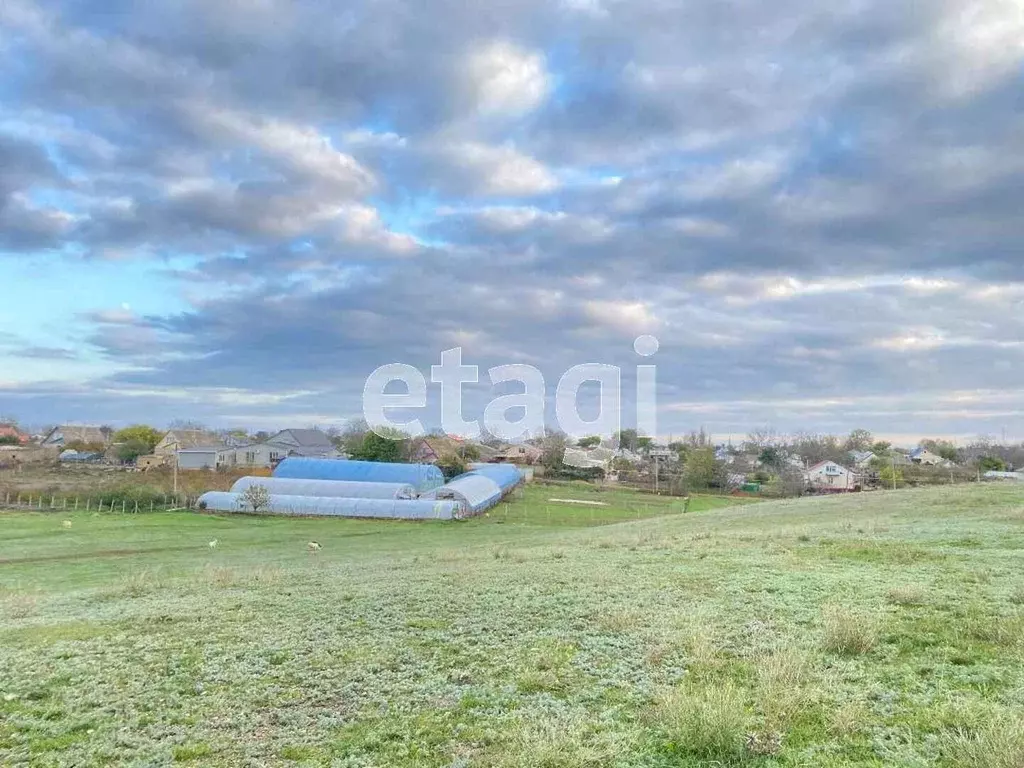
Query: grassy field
879, 629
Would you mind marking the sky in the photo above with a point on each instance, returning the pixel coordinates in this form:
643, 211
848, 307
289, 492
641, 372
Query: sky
233, 211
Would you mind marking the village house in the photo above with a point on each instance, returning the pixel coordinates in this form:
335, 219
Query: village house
520, 453
926, 458
181, 439
830, 475
304, 442
432, 448
861, 459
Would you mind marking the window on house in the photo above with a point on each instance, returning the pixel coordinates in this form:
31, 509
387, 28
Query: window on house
274, 455
250, 457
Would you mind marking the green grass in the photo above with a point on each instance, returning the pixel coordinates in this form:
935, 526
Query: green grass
868, 630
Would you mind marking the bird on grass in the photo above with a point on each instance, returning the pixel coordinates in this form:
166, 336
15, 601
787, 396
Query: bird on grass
314, 546
212, 544
66, 523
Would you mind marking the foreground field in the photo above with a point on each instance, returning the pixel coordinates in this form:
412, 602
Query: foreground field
868, 630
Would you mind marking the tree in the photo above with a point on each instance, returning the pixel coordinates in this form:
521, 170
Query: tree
815, 448
772, 458
589, 442
644, 444
859, 440
763, 437
469, 452
890, 475
130, 450
9, 440
351, 437
702, 470
256, 497
553, 450
389, 446
451, 466
991, 464
139, 434
626, 439
881, 447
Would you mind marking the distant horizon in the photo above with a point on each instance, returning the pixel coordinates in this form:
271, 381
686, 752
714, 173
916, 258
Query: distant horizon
737, 439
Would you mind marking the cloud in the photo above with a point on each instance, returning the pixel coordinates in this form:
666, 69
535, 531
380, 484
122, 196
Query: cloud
806, 204
504, 79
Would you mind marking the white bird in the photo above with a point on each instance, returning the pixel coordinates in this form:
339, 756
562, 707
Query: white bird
212, 544
314, 546
66, 523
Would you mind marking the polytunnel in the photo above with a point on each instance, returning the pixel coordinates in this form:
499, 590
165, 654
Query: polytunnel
505, 475
423, 477
349, 489
475, 493
319, 506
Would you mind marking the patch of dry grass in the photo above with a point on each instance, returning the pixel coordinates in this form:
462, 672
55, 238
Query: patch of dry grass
906, 595
998, 744
707, 722
848, 633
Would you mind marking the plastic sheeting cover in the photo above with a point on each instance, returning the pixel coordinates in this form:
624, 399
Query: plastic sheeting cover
423, 477
476, 492
505, 475
402, 509
349, 489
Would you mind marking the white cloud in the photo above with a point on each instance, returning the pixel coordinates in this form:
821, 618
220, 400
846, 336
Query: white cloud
500, 170
983, 42
302, 149
505, 79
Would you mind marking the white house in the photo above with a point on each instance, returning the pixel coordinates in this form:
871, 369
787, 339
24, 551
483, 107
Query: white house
829, 474
206, 457
260, 454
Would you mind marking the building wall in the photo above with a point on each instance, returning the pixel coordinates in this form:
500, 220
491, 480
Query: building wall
260, 455
197, 459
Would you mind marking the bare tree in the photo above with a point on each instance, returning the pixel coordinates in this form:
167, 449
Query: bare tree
256, 498
763, 437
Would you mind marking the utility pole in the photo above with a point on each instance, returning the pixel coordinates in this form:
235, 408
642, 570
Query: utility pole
894, 473
175, 476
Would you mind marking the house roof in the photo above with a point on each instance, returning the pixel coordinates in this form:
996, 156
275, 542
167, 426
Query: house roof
11, 430
192, 438
307, 438
827, 461
79, 433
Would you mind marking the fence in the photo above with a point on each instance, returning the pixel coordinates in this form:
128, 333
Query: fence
96, 503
